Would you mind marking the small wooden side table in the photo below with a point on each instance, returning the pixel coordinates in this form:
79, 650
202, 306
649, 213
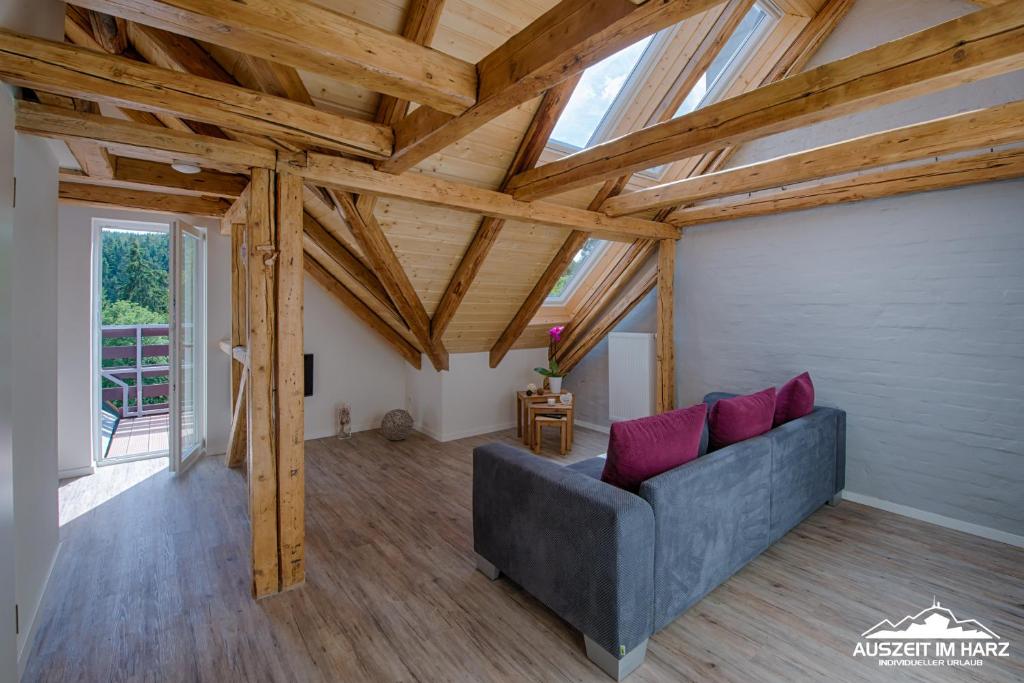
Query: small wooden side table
522, 415
535, 409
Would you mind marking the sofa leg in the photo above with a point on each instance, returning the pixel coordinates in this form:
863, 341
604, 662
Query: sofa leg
835, 499
610, 664
486, 568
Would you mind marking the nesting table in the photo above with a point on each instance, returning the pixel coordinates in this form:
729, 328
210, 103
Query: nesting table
529, 407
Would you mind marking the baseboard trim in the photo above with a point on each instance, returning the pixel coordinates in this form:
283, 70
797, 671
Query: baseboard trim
596, 427
33, 625
933, 518
76, 472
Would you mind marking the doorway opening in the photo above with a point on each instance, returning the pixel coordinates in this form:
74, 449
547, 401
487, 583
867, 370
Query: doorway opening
149, 305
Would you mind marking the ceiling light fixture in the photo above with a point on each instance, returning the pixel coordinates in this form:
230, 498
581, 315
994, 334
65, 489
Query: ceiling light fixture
185, 167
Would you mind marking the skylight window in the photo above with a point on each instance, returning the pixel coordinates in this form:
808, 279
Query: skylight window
576, 270
595, 94
720, 65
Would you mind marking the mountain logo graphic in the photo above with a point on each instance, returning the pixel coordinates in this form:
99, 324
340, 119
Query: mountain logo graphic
934, 623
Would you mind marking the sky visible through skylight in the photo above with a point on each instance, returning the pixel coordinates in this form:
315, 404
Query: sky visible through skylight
594, 95
576, 267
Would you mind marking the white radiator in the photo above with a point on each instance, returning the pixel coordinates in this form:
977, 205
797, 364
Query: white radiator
631, 364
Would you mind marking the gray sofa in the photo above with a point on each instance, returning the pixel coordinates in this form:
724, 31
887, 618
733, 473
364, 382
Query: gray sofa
620, 566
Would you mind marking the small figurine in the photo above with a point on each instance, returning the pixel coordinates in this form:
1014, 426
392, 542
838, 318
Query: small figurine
531, 389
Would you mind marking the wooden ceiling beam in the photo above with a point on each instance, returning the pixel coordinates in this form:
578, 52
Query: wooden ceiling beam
392, 275
970, 130
92, 158
313, 38
140, 174
110, 32
80, 72
127, 138
157, 202
350, 301
978, 45
421, 20
354, 176
562, 42
531, 146
352, 264
535, 299
979, 168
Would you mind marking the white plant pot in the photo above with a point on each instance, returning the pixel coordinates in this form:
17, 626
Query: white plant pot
555, 384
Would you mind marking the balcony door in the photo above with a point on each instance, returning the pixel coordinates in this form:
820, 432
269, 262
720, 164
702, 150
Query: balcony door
187, 344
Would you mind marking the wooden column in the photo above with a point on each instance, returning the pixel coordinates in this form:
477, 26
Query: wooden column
275, 411
239, 338
666, 371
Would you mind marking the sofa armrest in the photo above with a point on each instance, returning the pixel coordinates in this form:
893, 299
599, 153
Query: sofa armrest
582, 547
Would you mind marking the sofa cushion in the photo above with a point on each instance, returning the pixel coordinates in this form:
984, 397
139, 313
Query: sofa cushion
794, 399
736, 419
640, 449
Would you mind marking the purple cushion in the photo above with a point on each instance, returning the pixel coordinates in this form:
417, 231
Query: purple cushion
641, 449
742, 417
795, 399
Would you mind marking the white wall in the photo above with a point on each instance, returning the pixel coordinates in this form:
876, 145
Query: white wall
75, 287
34, 323
471, 398
8, 639
907, 311
350, 364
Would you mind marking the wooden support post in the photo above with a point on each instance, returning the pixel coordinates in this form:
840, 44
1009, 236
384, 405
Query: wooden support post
239, 337
666, 390
289, 385
262, 452
275, 457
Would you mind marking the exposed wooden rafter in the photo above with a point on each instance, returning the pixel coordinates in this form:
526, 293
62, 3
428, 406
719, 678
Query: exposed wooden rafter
354, 176
80, 72
382, 257
979, 168
979, 45
562, 42
313, 38
421, 21
92, 158
158, 202
974, 129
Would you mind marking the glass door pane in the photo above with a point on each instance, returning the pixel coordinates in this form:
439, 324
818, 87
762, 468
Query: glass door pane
188, 342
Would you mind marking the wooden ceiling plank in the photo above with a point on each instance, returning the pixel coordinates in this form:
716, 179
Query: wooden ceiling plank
980, 168
978, 45
313, 38
389, 269
354, 176
989, 127
421, 20
337, 290
158, 202
562, 42
127, 138
535, 299
531, 146
81, 72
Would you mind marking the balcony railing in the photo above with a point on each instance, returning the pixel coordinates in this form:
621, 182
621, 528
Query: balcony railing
131, 355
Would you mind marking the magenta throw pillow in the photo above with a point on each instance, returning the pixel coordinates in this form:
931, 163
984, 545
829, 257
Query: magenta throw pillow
740, 418
795, 399
641, 449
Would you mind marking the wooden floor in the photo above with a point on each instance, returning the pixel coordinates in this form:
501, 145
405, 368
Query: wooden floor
152, 584
140, 435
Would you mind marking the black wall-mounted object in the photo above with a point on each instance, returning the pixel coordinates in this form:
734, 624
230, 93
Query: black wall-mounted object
308, 374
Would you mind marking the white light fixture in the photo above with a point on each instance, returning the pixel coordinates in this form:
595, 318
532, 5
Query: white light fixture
185, 167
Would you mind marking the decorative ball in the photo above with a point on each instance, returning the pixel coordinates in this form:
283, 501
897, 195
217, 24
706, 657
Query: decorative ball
396, 425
